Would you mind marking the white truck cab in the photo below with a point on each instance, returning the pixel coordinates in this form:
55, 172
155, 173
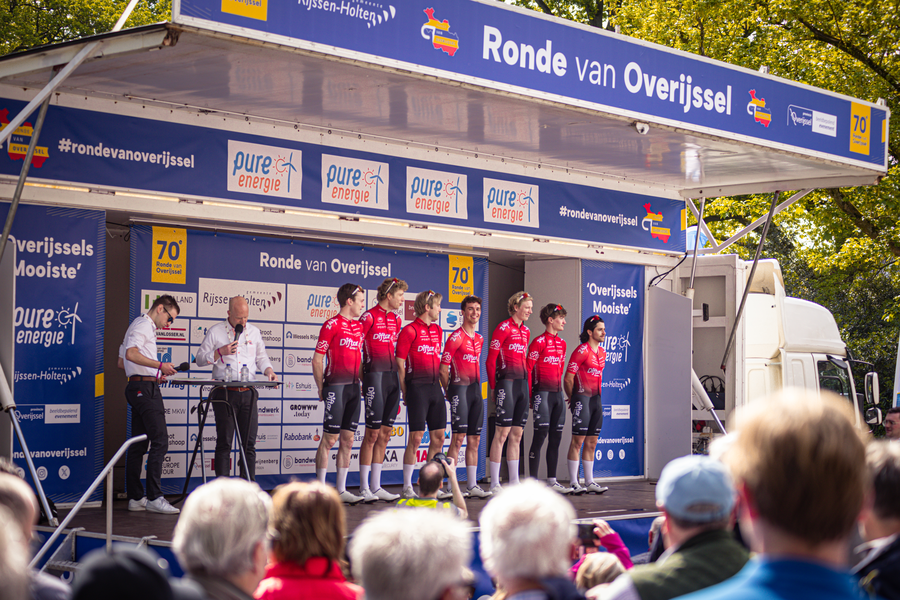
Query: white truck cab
778, 342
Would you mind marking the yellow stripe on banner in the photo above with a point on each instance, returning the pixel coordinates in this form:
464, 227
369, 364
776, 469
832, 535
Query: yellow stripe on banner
683, 219
98, 385
484, 390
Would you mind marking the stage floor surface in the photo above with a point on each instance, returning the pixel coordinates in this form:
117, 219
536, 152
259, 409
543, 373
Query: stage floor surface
623, 500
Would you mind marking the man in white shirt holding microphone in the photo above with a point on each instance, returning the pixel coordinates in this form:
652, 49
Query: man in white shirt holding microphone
235, 343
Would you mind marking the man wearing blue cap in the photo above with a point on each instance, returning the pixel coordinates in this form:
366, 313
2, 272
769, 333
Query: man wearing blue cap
697, 497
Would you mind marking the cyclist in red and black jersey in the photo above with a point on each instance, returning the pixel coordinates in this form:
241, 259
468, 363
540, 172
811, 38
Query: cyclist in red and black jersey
508, 378
340, 341
583, 382
545, 364
461, 377
419, 358
381, 385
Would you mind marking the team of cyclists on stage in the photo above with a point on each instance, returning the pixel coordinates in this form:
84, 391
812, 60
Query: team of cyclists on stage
412, 362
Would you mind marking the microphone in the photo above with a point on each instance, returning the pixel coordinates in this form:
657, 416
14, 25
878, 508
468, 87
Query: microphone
183, 367
238, 330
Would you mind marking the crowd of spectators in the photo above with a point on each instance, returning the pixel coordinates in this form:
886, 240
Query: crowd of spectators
775, 514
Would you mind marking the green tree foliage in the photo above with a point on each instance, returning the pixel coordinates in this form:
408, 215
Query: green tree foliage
29, 23
837, 247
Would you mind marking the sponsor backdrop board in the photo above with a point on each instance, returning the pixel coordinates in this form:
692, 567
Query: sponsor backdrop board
291, 288
60, 300
502, 47
95, 148
616, 293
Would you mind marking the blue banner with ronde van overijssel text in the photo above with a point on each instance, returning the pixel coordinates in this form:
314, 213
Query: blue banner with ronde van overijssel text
500, 46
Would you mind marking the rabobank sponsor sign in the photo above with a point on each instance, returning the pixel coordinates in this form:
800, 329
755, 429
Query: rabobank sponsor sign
436, 193
354, 182
266, 300
511, 203
264, 170
301, 436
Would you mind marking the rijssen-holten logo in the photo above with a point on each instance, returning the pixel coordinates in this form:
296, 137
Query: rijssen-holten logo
757, 109
439, 34
17, 144
652, 221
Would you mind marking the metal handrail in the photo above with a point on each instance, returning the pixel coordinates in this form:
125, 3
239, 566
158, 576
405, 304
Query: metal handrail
106, 472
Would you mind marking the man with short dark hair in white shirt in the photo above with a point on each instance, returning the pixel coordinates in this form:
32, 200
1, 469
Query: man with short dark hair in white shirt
148, 415
222, 347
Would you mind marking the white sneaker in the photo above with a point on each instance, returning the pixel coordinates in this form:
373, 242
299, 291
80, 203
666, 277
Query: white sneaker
558, 487
595, 488
577, 489
383, 494
138, 505
496, 489
161, 506
444, 495
349, 498
408, 493
367, 496
477, 492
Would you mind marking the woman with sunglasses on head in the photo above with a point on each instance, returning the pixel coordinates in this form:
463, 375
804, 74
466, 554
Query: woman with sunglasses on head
545, 364
583, 382
508, 380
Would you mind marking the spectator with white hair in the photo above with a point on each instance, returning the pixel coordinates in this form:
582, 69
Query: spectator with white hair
528, 536
17, 497
220, 538
412, 555
307, 528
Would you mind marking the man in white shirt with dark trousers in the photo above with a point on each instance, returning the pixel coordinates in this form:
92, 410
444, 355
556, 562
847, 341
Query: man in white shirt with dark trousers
223, 347
148, 414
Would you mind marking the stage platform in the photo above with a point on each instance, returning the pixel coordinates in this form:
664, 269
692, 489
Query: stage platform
633, 499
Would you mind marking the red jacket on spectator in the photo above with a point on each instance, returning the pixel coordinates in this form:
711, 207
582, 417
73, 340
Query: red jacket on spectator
318, 578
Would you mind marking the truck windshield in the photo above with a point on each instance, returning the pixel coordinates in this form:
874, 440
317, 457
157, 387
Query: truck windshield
833, 378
